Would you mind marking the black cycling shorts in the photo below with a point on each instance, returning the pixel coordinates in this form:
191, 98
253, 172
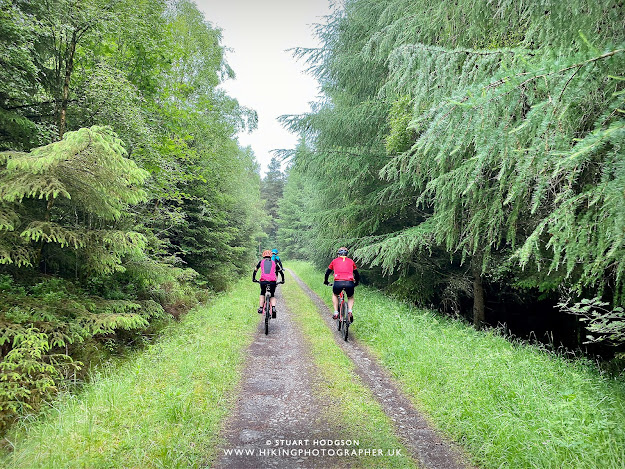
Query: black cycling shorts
272, 287
348, 285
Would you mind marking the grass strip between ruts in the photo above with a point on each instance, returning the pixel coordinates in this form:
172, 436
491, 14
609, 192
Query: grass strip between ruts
162, 408
510, 404
351, 406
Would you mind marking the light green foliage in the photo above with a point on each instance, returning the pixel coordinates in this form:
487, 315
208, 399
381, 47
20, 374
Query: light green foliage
38, 322
271, 191
140, 228
30, 374
164, 407
511, 405
603, 323
501, 127
295, 224
85, 173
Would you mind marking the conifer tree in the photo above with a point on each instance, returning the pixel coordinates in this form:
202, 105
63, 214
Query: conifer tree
271, 190
500, 126
78, 189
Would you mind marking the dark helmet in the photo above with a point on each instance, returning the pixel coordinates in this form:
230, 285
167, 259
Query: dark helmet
343, 251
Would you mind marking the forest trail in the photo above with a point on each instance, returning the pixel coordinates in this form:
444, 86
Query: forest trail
278, 414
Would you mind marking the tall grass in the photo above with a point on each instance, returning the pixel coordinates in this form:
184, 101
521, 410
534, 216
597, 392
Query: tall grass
161, 409
510, 404
350, 406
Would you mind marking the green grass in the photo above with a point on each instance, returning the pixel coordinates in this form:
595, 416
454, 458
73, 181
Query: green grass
351, 406
511, 405
161, 409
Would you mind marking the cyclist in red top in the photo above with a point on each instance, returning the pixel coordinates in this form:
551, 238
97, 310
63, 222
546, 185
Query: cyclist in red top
269, 270
345, 276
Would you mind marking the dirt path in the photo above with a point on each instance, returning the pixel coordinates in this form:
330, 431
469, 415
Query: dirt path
425, 445
278, 420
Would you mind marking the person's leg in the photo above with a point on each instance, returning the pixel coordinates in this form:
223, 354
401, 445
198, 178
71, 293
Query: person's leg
273, 299
350, 303
335, 301
261, 301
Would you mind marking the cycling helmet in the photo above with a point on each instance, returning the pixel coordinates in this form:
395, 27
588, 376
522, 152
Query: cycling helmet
342, 251
274, 251
266, 253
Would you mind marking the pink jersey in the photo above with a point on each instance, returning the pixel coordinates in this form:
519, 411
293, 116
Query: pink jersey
343, 268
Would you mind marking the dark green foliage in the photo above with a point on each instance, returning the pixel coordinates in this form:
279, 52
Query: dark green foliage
271, 191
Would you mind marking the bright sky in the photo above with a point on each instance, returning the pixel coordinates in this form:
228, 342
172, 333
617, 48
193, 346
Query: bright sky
268, 78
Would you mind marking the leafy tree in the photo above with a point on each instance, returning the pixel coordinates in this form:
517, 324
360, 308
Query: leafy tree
295, 211
18, 78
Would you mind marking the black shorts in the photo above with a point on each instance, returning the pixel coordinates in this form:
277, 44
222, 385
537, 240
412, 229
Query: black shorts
348, 285
272, 287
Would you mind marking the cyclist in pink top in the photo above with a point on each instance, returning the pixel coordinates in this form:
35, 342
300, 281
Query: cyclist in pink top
269, 271
345, 276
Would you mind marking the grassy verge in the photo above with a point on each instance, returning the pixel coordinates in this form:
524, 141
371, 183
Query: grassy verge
511, 405
362, 418
161, 409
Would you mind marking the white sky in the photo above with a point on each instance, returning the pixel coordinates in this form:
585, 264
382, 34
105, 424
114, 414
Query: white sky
268, 78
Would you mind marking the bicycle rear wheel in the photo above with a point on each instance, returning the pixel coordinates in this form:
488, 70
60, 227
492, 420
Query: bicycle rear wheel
345, 317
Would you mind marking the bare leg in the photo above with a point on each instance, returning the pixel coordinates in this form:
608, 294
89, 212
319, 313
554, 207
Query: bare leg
350, 303
335, 302
273, 301
261, 302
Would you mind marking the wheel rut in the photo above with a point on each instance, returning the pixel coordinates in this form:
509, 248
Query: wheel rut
424, 443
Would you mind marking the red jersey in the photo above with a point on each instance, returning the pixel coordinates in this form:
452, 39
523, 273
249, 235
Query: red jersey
343, 268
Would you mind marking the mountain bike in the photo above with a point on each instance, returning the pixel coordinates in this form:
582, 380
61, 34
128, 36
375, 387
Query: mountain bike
267, 305
267, 308
342, 321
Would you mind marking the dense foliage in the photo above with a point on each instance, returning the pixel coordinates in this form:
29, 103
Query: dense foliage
120, 193
472, 150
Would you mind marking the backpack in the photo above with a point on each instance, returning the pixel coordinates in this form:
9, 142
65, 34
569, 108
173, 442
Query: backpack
267, 270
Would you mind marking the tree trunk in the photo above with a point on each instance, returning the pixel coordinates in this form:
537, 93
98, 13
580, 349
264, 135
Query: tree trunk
69, 67
479, 315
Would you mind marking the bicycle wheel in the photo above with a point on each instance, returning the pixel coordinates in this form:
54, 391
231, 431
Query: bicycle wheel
345, 317
267, 310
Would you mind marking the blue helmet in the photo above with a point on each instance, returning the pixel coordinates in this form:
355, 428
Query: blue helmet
274, 251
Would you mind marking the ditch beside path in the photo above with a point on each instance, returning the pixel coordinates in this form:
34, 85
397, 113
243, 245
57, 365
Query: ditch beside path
278, 417
424, 443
